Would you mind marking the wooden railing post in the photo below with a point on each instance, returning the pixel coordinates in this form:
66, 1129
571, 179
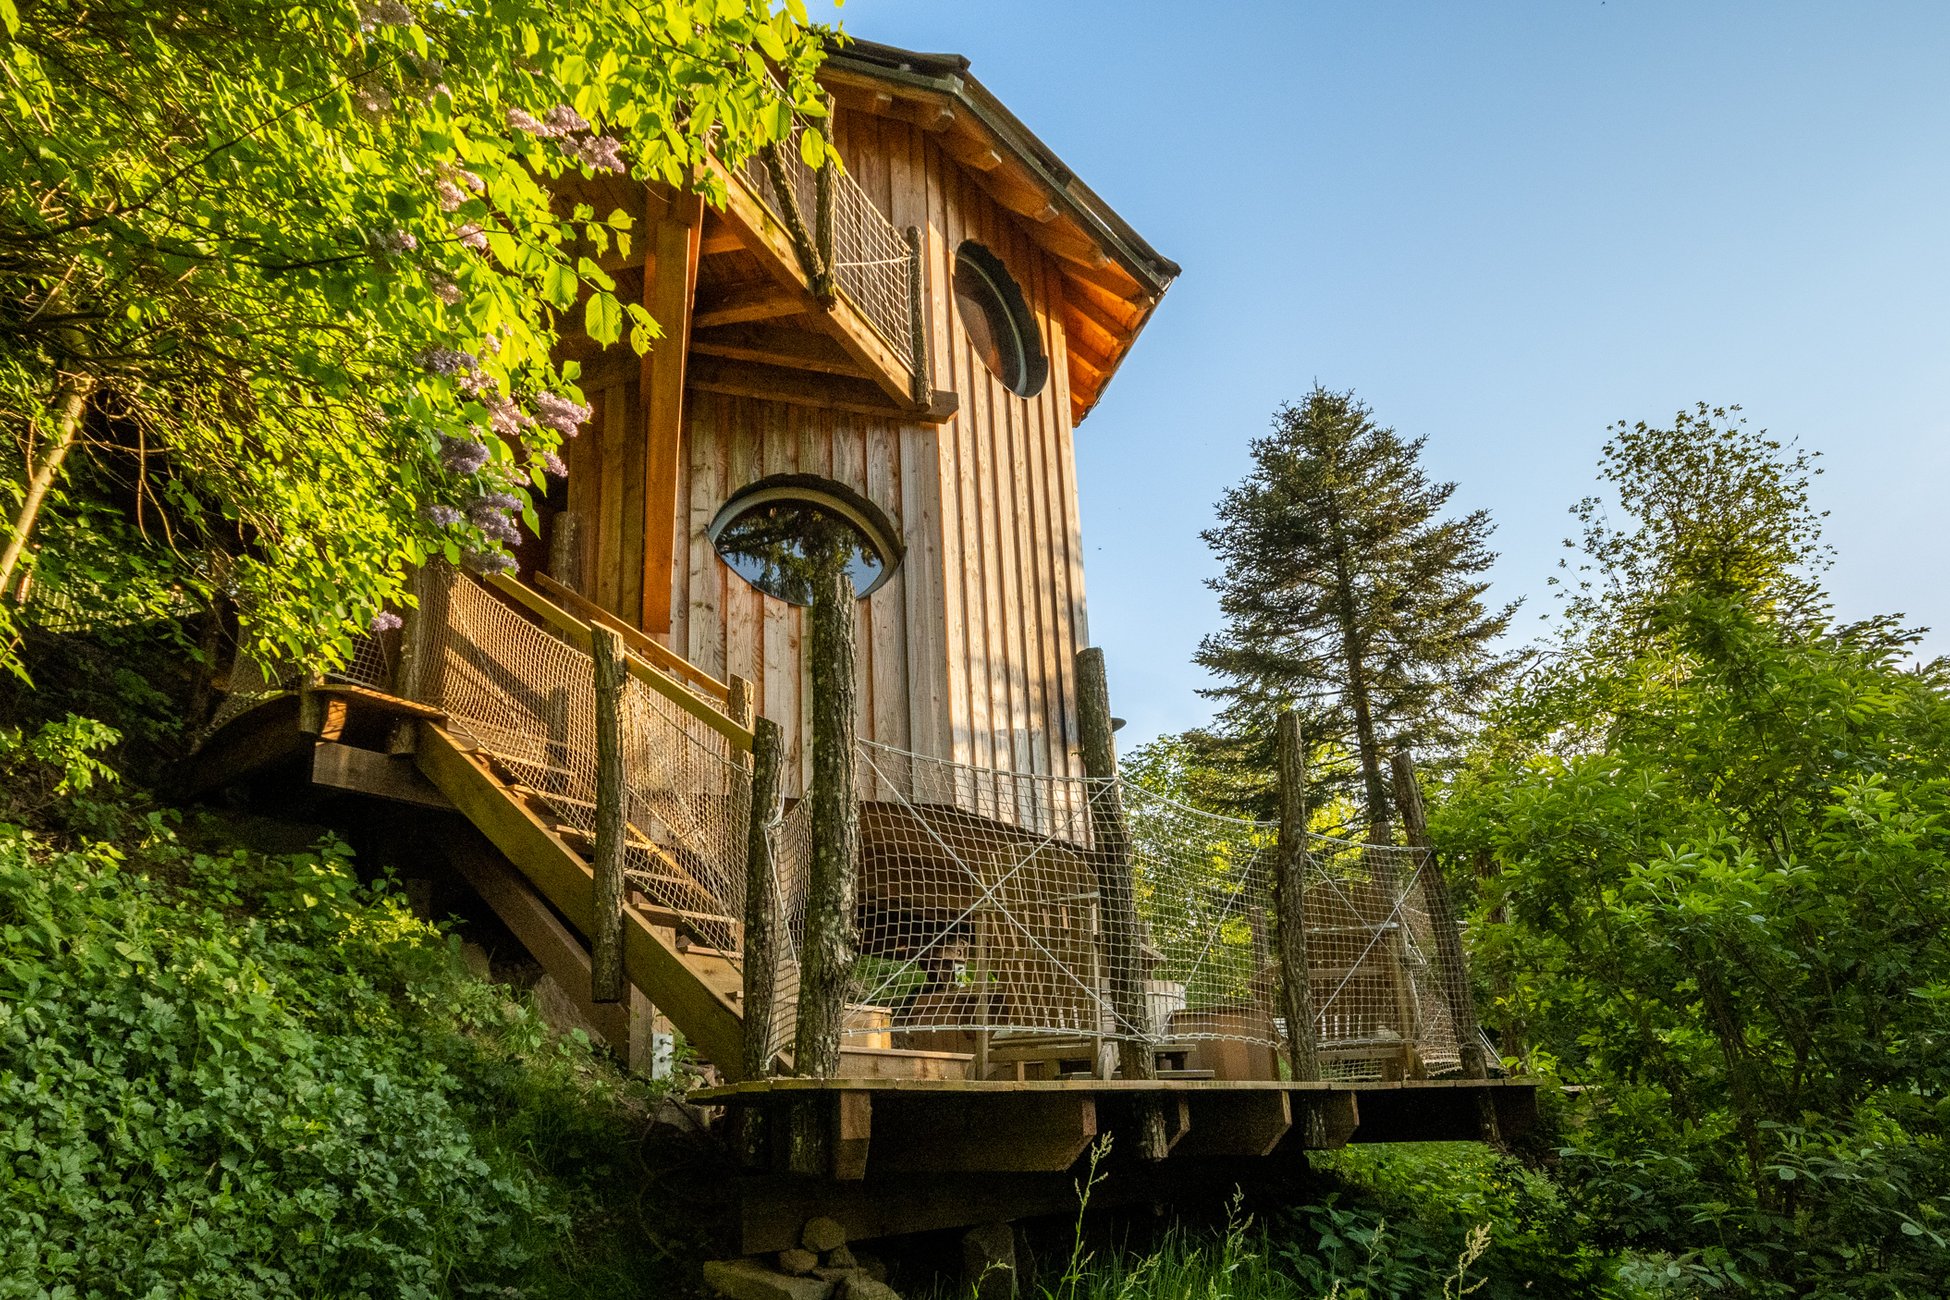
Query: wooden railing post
761, 960
921, 383
414, 674
565, 549
1450, 962
606, 907
1290, 902
1117, 894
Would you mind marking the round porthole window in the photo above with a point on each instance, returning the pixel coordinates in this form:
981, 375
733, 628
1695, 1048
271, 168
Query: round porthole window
775, 534
996, 317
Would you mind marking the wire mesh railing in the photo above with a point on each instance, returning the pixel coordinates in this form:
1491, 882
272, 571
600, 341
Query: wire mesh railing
870, 257
979, 926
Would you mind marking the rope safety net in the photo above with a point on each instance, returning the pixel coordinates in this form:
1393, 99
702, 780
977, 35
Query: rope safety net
981, 926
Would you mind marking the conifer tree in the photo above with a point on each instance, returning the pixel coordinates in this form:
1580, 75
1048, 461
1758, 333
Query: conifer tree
1348, 596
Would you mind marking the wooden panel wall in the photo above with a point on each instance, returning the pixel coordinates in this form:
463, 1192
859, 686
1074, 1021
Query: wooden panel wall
967, 653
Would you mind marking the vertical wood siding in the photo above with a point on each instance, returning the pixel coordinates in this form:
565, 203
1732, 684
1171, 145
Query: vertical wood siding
967, 652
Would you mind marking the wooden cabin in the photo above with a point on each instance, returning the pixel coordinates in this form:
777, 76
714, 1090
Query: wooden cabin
931, 391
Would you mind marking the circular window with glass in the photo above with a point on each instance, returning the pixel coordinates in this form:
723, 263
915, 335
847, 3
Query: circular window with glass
779, 532
996, 317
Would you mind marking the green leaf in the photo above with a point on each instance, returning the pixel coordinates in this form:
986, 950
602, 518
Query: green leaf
559, 286
10, 15
603, 318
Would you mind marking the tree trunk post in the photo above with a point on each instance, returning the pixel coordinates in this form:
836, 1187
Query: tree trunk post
416, 672
1290, 891
70, 405
565, 550
761, 949
606, 978
1117, 893
1448, 933
826, 958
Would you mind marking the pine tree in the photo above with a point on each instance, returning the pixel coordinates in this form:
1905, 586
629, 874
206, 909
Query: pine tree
1348, 597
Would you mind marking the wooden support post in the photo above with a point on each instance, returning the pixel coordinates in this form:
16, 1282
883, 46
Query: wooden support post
825, 282
738, 702
1449, 958
1111, 857
922, 386
670, 293
565, 549
606, 904
415, 675
826, 959
1290, 902
761, 963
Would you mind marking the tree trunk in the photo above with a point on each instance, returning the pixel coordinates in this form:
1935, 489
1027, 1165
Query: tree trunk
826, 959
761, 951
70, 405
1116, 896
1368, 748
1290, 881
606, 979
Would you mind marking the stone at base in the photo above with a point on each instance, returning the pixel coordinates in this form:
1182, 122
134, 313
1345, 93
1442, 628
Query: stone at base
840, 1257
988, 1261
822, 1235
872, 1265
745, 1279
858, 1286
797, 1262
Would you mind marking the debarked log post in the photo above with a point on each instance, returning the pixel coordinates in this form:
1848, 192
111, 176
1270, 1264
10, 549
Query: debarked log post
606, 907
1290, 902
761, 967
1117, 896
1450, 963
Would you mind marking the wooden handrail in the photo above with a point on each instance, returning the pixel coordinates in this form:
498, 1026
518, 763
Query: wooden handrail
643, 646
576, 632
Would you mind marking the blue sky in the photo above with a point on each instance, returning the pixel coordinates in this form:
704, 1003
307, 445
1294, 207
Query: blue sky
1505, 226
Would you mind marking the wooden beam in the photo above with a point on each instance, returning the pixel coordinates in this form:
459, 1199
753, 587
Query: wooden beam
366, 771
718, 240
752, 302
254, 741
1235, 1124
669, 290
573, 602
794, 349
1013, 1132
804, 388
699, 998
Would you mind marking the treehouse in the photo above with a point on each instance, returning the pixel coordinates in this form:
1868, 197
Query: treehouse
620, 746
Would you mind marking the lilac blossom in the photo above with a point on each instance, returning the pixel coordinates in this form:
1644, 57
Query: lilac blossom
450, 193
564, 121
504, 416
447, 289
384, 621
561, 414
520, 121
489, 562
442, 516
472, 236
386, 13
447, 361
552, 464
601, 152
462, 455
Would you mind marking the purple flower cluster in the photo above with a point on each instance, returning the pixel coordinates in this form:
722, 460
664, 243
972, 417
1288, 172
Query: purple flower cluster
442, 516
385, 13
552, 464
462, 455
601, 153
520, 121
489, 562
396, 241
561, 414
384, 621
371, 99
493, 514
446, 288
472, 236
450, 193
447, 361
505, 417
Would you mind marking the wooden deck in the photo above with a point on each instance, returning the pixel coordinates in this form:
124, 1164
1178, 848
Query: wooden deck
900, 1156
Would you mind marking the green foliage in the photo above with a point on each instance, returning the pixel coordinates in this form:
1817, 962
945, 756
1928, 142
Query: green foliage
1718, 829
229, 1073
259, 258
1347, 597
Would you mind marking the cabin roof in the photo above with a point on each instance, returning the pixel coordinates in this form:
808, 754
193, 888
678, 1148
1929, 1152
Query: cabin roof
1117, 277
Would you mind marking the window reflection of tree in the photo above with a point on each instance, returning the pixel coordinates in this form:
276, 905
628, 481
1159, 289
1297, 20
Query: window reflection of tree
782, 548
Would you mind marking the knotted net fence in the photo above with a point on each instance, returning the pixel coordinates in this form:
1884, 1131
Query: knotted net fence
981, 927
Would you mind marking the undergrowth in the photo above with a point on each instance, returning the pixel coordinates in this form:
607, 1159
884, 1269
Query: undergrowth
226, 1072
